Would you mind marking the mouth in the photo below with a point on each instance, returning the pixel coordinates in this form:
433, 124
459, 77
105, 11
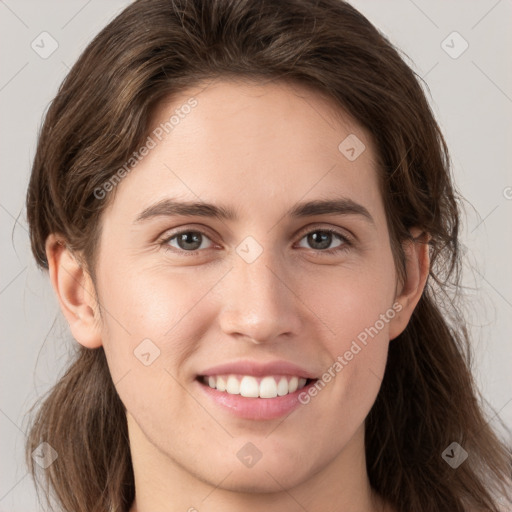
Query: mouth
250, 386
255, 390
256, 398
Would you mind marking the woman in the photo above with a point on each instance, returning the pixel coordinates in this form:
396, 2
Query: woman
248, 219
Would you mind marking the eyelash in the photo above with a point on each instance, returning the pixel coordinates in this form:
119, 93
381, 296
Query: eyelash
347, 241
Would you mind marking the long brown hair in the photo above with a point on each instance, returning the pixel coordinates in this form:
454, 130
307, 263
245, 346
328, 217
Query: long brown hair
100, 116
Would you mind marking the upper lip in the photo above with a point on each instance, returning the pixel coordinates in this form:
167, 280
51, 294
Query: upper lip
256, 369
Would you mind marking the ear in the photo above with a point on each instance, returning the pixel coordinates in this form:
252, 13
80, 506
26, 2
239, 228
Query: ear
75, 292
417, 263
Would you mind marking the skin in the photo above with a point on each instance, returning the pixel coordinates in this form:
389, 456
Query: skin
260, 149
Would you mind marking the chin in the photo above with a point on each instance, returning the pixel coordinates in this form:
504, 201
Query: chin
265, 481
265, 476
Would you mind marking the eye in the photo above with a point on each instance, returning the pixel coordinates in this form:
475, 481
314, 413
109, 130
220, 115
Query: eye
192, 241
188, 241
321, 239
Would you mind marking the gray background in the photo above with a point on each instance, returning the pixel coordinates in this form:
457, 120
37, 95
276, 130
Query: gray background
471, 96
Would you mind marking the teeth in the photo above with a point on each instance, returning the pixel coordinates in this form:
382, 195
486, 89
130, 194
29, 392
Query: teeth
249, 387
268, 388
253, 387
233, 385
282, 387
221, 383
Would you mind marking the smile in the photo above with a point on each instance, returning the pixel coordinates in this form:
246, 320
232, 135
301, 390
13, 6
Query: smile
249, 386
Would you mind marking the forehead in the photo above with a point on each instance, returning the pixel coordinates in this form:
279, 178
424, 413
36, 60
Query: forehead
250, 143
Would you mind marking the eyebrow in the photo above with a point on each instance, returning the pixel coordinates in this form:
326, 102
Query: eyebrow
170, 207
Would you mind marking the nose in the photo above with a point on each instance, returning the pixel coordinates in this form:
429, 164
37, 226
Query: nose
258, 300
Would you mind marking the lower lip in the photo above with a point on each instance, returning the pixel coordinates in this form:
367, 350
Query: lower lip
255, 408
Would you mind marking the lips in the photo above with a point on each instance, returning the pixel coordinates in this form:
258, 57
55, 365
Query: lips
255, 369
257, 391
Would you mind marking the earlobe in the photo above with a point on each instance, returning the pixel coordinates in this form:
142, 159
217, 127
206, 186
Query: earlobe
75, 292
417, 262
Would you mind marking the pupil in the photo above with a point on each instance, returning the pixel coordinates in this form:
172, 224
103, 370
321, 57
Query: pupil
313, 238
189, 238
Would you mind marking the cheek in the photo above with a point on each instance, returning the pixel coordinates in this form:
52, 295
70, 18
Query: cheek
151, 328
358, 308
353, 302
358, 354
151, 319
152, 302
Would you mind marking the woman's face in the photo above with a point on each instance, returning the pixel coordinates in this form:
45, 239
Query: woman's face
248, 289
